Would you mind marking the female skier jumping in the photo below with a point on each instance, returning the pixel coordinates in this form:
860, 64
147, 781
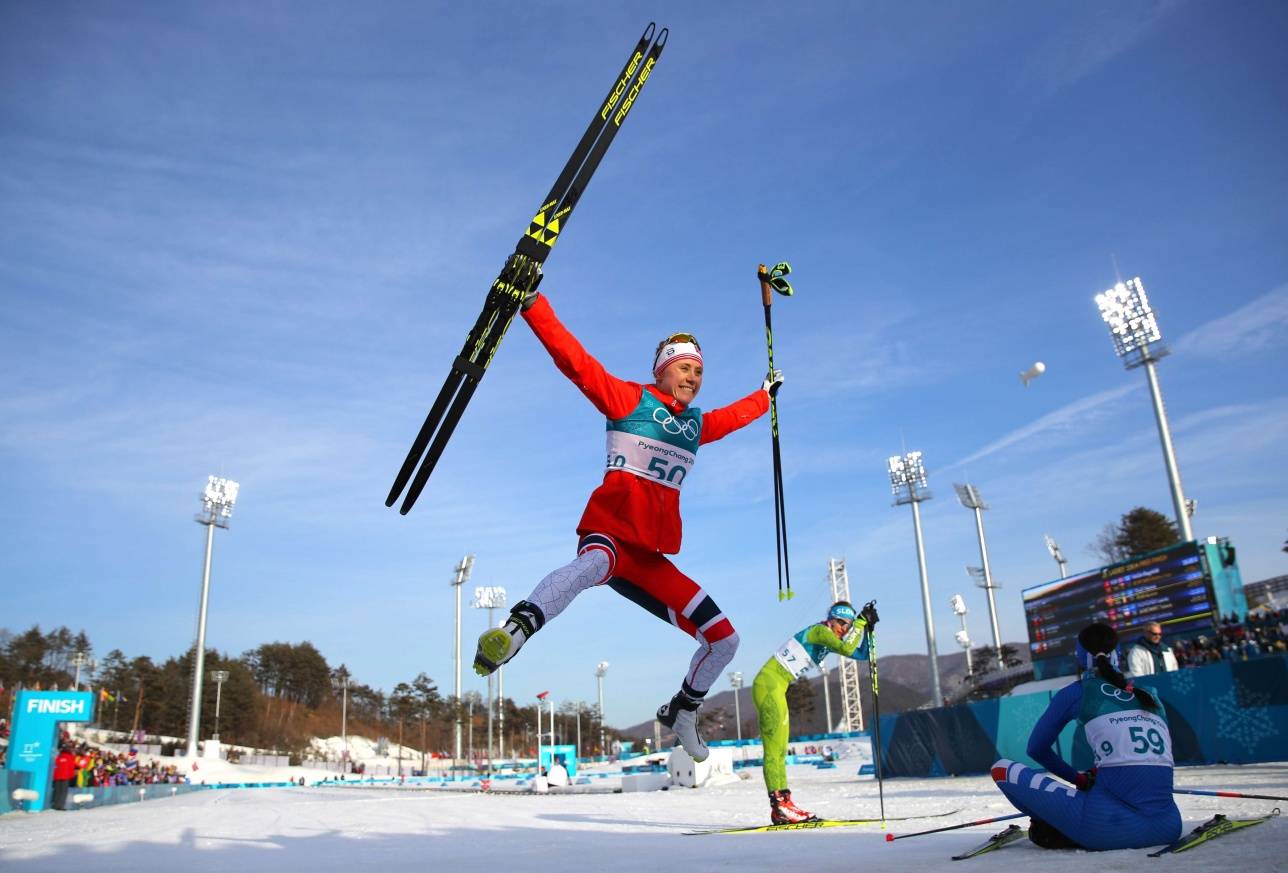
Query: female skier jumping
632, 520
843, 631
1125, 800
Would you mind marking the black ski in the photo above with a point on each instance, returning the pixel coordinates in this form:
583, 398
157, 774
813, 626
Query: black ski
522, 270
1217, 826
995, 842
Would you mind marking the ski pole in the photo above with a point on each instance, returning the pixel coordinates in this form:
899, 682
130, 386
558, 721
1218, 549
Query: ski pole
876, 711
771, 281
1227, 794
969, 824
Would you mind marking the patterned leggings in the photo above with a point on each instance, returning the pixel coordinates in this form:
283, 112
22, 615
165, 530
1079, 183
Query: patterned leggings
1094, 819
653, 582
769, 692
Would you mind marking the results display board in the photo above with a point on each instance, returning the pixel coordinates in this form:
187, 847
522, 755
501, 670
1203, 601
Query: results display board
1170, 586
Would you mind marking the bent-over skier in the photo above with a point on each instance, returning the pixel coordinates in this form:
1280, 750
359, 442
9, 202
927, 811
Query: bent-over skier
843, 631
632, 520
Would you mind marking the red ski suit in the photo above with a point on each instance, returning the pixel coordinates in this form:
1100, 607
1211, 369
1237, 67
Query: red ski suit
627, 507
636, 522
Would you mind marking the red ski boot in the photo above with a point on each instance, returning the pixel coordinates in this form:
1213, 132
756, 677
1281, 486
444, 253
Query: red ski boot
783, 811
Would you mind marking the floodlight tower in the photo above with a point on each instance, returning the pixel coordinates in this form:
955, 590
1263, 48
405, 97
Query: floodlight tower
1054, 549
1138, 341
490, 598
541, 699
343, 673
908, 482
958, 603
851, 703
970, 498
216, 511
462, 576
735, 682
220, 677
600, 669
80, 659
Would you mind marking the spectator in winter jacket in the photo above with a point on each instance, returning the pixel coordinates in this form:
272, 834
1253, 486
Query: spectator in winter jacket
1148, 655
64, 773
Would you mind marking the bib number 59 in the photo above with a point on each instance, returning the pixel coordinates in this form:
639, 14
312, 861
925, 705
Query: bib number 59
1146, 741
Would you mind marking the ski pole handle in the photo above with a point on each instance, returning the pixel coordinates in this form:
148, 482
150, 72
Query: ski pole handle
766, 290
970, 824
1227, 794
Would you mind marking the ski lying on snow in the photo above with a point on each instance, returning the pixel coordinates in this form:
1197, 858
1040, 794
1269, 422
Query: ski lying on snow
814, 825
995, 842
1217, 826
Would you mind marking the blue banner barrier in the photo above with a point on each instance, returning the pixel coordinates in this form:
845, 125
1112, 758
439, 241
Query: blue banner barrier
1228, 712
109, 795
11, 781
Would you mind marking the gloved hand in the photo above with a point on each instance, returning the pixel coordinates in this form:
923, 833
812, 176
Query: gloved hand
1085, 780
522, 272
773, 382
869, 614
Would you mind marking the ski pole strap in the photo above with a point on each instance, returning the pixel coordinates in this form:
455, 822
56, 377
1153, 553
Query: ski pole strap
777, 278
774, 279
970, 824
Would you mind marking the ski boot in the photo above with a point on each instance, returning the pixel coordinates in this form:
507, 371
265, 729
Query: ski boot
499, 645
1048, 837
680, 714
783, 811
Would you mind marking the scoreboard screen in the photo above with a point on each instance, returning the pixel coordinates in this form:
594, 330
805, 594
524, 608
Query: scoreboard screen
1170, 586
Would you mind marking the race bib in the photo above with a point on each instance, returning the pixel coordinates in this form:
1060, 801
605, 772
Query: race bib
793, 657
1129, 737
648, 458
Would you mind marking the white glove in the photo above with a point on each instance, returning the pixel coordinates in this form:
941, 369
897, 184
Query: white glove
773, 382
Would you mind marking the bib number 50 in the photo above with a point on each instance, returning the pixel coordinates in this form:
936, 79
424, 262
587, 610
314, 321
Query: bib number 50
659, 468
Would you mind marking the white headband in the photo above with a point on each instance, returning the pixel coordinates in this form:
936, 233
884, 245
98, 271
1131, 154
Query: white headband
676, 351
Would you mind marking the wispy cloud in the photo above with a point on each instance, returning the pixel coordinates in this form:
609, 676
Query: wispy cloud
1069, 55
1253, 327
1062, 419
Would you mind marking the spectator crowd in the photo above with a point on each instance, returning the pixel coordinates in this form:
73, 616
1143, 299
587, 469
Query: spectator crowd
85, 766
1263, 633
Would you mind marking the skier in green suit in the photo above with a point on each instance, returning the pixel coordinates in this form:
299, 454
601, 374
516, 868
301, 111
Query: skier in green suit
843, 631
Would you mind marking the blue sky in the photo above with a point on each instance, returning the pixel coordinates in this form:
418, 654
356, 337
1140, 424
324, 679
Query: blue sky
247, 239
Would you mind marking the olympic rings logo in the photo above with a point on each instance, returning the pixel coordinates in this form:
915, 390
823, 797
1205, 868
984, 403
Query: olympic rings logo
1116, 693
675, 426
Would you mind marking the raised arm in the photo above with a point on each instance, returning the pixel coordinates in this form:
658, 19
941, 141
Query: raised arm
1063, 709
613, 397
719, 423
853, 645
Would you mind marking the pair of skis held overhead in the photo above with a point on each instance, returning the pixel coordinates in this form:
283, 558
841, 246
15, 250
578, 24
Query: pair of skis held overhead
522, 271
522, 274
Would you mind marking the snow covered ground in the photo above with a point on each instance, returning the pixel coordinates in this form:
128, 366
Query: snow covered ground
393, 829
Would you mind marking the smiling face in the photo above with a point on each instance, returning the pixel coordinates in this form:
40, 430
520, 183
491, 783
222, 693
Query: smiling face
682, 380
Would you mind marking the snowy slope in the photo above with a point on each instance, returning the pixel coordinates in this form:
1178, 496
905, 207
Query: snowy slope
389, 829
